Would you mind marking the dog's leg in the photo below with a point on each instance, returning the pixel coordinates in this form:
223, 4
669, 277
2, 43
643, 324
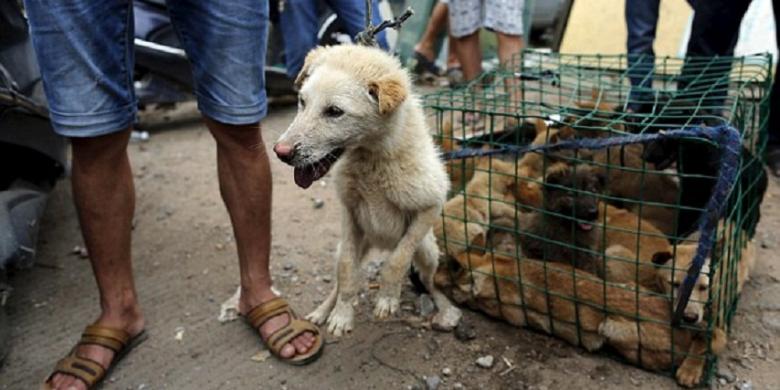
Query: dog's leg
322, 312
692, 368
351, 251
426, 260
389, 295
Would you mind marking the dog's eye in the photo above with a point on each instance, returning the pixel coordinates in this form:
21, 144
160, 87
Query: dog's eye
702, 288
333, 112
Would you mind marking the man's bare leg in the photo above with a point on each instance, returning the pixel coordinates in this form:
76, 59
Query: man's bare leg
104, 197
245, 185
436, 25
508, 47
469, 55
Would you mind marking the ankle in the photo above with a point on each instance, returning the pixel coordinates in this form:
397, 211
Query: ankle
128, 318
251, 297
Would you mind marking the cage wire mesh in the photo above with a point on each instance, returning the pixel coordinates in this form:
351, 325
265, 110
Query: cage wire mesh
587, 244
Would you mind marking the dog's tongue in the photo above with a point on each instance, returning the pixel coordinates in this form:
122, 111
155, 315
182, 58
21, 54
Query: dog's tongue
304, 176
586, 226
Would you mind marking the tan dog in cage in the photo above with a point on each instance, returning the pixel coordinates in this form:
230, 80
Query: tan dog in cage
357, 113
490, 194
573, 305
669, 279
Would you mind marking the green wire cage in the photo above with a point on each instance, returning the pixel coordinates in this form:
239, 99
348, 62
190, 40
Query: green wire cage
586, 244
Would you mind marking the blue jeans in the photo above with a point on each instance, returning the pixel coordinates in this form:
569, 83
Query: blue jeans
299, 23
641, 21
85, 51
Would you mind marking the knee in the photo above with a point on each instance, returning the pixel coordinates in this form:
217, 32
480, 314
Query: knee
237, 137
101, 150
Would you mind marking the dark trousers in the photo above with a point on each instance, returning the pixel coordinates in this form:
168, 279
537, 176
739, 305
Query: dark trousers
714, 33
641, 22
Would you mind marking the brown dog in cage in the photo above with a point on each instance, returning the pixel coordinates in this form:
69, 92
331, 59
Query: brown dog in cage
631, 244
651, 194
672, 266
573, 305
564, 229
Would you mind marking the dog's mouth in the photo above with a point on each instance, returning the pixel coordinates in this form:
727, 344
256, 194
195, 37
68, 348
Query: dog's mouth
308, 174
585, 226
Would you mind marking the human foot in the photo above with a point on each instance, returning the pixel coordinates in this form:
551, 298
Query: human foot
256, 308
132, 324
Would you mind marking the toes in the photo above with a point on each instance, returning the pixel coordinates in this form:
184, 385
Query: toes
288, 351
300, 346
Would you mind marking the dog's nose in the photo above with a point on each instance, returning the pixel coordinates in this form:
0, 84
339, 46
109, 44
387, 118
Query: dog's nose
690, 318
285, 152
592, 213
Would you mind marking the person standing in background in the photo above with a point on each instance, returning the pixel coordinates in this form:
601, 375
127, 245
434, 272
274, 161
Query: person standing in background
299, 22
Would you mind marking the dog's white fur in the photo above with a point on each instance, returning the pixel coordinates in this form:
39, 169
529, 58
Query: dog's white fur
390, 179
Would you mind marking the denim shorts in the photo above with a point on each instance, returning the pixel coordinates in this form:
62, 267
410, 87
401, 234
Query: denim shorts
85, 51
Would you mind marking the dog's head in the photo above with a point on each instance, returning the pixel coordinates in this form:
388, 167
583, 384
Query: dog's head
671, 274
573, 191
348, 96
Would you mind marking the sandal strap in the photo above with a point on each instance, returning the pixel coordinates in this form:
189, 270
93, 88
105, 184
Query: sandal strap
265, 311
113, 339
287, 333
86, 370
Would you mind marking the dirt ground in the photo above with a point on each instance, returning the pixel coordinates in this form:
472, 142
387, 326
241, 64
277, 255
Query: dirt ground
185, 266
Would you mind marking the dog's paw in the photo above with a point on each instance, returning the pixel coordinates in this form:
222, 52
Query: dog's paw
385, 307
341, 319
619, 332
319, 315
447, 319
689, 374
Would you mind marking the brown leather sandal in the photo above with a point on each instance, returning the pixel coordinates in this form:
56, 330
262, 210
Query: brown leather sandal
282, 336
87, 370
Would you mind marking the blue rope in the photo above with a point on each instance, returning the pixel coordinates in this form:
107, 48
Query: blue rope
726, 137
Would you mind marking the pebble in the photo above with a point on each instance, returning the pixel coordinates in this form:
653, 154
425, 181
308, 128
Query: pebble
465, 332
485, 361
261, 356
318, 203
744, 385
288, 267
458, 386
425, 305
432, 382
326, 278
726, 375
179, 333
446, 371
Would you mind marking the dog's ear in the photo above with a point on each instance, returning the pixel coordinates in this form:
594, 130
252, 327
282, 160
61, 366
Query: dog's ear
309, 63
540, 126
556, 175
389, 92
661, 258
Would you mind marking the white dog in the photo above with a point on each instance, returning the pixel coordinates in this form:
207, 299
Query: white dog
356, 112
